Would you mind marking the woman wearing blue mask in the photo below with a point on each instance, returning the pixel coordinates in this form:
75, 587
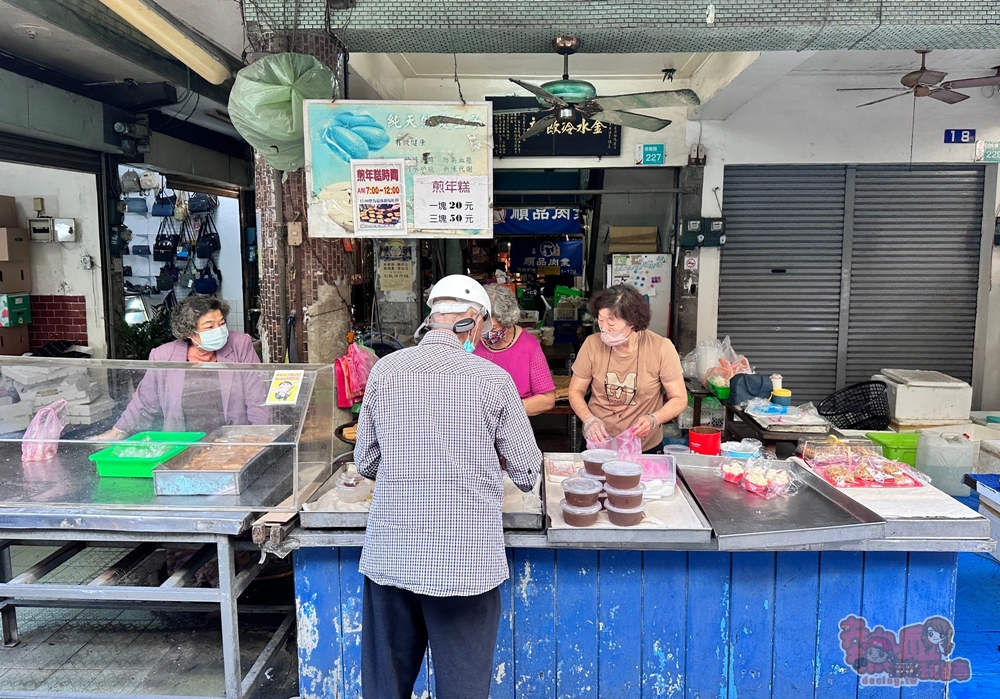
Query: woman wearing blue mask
199, 401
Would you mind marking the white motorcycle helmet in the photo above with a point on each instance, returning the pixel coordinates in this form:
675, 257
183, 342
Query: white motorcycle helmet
457, 293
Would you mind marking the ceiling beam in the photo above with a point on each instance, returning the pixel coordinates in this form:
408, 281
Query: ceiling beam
90, 20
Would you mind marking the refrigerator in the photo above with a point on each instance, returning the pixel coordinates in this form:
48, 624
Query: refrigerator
650, 274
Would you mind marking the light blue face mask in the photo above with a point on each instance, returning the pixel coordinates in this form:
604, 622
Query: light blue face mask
468, 346
213, 340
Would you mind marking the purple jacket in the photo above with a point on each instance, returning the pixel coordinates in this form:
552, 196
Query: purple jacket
161, 390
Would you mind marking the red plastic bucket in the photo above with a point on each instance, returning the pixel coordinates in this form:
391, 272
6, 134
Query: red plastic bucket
705, 440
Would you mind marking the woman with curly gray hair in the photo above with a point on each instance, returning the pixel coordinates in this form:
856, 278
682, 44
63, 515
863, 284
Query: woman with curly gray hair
509, 347
201, 401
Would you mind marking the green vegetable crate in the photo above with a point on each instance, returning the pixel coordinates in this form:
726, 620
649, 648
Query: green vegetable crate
123, 460
897, 446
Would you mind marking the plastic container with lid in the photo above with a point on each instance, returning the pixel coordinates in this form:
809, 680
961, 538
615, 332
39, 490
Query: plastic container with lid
584, 473
352, 487
625, 499
593, 459
781, 396
946, 459
658, 467
623, 517
623, 474
581, 492
579, 516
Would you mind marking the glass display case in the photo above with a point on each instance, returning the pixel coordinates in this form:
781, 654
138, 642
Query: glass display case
143, 435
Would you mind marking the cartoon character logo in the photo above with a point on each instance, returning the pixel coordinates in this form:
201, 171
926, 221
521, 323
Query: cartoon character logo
284, 390
620, 391
917, 653
549, 249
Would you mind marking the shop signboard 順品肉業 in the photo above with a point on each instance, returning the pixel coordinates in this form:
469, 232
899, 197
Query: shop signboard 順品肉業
440, 153
540, 256
536, 221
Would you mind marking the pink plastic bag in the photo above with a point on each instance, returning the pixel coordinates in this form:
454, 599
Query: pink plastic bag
626, 444
47, 426
361, 360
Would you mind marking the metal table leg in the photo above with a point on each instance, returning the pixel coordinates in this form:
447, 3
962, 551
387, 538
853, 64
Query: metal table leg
8, 616
573, 437
230, 620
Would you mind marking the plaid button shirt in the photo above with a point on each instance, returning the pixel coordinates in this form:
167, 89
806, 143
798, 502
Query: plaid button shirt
433, 422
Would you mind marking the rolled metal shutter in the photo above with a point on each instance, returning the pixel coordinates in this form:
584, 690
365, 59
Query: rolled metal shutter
31, 151
915, 269
779, 295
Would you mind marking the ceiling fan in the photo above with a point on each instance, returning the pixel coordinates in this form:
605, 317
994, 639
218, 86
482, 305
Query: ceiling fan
563, 100
925, 82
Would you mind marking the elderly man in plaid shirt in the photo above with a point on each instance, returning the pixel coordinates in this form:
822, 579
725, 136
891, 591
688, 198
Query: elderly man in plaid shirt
437, 426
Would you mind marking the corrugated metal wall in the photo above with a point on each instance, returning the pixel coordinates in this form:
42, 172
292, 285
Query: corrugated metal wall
831, 273
915, 269
779, 296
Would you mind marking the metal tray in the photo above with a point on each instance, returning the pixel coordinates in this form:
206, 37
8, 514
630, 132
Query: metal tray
683, 523
346, 519
172, 478
817, 514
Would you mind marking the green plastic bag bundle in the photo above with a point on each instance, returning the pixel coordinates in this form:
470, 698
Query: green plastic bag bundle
265, 105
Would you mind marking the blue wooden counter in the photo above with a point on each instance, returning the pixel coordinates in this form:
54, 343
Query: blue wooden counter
622, 624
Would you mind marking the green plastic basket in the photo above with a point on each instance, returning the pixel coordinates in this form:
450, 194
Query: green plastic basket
117, 462
897, 446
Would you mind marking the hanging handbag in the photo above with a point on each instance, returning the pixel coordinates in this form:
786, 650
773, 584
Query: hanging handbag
188, 274
136, 205
149, 181
165, 280
200, 203
209, 242
163, 205
206, 283
141, 250
127, 271
743, 387
130, 182
180, 208
165, 246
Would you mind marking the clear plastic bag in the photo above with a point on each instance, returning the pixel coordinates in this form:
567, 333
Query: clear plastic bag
626, 444
41, 439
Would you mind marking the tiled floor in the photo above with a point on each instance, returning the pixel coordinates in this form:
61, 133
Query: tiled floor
132, 650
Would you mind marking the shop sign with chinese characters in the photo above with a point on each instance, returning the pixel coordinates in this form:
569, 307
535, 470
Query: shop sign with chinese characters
581, 137
447, 202
535, 221
448, 143
547, 256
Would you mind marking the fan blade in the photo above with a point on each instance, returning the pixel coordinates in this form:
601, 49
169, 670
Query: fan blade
649, 100
857, 89
525, 110
632, 120
890, 97
948, 97
539, 92
539, 126
991, 81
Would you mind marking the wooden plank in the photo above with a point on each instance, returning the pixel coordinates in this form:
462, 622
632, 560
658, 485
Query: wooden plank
620, 628
751, 625
534, 631
931, 584
707, 663
840, 582
577, 605
796, 602
883, 602
351, 590
502, 686
664, 623
317, 601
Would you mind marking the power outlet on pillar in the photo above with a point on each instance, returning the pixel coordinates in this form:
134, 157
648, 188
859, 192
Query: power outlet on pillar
294, 233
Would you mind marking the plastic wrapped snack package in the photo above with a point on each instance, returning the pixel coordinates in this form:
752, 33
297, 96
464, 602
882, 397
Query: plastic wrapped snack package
732, 470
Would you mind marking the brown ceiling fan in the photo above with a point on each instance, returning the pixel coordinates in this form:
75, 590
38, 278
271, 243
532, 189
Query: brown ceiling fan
925, 82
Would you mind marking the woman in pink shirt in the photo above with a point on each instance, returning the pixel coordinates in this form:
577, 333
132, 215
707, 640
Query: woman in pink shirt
520, 353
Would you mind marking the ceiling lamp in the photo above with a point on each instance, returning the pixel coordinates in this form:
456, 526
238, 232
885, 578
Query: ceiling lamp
172, 39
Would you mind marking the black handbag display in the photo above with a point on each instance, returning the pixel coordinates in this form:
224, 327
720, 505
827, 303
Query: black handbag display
165, 279
209, 242
165, 246
208, 280
201, 203
163, 205
141, 250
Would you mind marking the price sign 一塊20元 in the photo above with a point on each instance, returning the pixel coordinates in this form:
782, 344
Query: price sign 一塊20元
448, 202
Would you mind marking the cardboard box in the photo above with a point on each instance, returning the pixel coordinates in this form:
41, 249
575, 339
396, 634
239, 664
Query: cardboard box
633, 238
15, 245
8, 212
15, 309
14, 341
15, 277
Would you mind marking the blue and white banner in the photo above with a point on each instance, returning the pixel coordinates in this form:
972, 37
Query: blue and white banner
536, 221
530, 255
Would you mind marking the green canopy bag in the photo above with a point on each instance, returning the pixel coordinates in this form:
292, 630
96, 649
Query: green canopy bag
265, 105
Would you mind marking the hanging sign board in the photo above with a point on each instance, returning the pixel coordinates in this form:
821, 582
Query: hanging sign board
580, 137
541, 256
426, 142
536, 221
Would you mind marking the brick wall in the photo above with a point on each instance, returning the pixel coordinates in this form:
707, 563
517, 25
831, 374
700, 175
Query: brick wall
642, 26
319, 261
57, 318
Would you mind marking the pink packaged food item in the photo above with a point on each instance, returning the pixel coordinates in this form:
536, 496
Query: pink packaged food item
732, 471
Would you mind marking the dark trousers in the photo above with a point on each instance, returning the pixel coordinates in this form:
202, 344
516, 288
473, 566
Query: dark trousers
397, 626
